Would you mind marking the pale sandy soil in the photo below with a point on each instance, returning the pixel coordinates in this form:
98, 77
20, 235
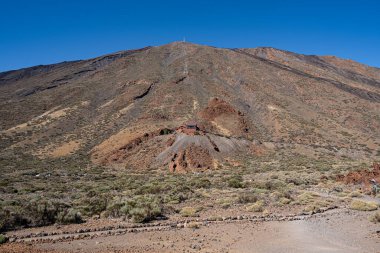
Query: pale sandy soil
334, 231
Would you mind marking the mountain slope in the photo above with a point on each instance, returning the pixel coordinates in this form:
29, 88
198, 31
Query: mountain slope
126, 109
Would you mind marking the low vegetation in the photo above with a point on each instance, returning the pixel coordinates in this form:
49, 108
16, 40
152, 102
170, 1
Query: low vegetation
3, 239
80, 191
375, 218
258, 206
361, 205
188, 212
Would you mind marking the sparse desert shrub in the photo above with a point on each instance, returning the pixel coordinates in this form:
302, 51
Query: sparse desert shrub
314, 208
151, 188
274, 176
306, 198
43, 212
363, 205
193, 225
113, 209
274, 184
37, 212
95, 205
200, 183
188, 212
245, 198
284, 201
258, 206
142, 208
225, 202
295, 181
375, 218
69, 216
165, 131
3, 239
10, 219
175, 198
235, 182
355, 194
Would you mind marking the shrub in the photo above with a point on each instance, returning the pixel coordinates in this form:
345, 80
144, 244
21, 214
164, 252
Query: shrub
3, 239
355, 194
200, 183
95, 205
256, 207
312, 208
113, 209
225, 202
236, 182
274, 184
363, 205
165, 131
188, 212
375, 218
175, 198
284, 201
245, 198
151, 188
193, 225
43, 212
69, 216
142, 208
11, 219
306, 198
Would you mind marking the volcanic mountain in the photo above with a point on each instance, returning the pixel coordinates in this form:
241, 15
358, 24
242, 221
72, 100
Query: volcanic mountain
187, 107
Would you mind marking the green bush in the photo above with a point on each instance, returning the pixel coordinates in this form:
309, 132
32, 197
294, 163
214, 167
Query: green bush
284, 201
114, 209
37, 212
175, 198
69, 216
142, 208
165, 131
10, 219
235, 182
274, 184
247, 198
3, 239
43, 212
258, 206
94, 205
200, 183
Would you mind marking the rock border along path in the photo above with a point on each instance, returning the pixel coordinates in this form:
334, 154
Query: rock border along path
90, 233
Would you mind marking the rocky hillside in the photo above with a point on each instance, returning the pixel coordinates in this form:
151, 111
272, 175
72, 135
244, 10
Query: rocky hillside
133, 108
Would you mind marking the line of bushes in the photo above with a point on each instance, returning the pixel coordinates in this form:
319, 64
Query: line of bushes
37, 213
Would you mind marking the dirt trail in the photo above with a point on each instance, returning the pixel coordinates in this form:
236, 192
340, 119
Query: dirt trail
338, 230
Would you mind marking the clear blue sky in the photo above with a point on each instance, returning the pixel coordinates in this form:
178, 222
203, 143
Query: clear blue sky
41, 32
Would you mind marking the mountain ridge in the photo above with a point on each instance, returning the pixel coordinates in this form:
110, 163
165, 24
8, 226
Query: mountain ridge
126, 50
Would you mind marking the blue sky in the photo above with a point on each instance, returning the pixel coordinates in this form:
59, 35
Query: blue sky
46, 31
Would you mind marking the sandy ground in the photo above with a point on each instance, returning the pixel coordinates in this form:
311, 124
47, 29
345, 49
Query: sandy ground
334, 231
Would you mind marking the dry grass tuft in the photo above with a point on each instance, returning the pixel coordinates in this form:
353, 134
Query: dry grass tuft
363, 205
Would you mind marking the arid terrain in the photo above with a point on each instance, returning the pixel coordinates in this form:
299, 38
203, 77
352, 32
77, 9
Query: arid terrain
191, 148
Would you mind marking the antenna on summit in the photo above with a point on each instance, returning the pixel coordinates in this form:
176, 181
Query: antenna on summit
185, 69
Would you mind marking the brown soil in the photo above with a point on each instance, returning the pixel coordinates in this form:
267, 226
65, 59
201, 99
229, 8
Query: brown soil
334, 231
362, 176
193, 158
65, 149
23, 248
224, 118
